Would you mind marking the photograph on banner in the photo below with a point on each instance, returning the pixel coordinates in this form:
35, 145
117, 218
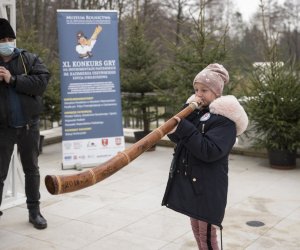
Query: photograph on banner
92, 130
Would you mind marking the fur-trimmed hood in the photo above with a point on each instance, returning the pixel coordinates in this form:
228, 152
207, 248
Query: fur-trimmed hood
229, 107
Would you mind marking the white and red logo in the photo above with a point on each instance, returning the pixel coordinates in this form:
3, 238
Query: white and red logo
118, 141
205, 117
104, 142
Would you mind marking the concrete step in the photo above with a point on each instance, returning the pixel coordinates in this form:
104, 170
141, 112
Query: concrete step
54, 135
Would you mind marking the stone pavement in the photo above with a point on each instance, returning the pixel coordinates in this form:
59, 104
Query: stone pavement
123, 212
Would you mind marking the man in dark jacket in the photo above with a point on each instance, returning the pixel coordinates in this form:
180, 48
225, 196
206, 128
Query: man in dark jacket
23, 80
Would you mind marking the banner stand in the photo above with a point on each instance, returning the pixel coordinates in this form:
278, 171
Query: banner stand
92, 130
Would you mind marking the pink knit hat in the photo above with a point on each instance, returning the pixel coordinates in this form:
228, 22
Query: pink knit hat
214, 76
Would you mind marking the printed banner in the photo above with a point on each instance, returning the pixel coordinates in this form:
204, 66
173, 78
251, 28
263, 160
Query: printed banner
92, 129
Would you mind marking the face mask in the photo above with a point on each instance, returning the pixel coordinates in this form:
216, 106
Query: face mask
6, 49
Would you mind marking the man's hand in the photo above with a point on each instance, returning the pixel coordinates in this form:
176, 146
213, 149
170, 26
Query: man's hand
4, 74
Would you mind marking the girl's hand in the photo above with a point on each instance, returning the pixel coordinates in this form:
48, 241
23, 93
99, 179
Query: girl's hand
194, 98
177, 119
198, 100
174, 129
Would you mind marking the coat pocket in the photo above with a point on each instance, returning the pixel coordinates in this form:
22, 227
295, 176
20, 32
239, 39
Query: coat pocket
196, 179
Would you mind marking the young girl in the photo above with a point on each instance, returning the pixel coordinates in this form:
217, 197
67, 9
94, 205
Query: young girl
198, 180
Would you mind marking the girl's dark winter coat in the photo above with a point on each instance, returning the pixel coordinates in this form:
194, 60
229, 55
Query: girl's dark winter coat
198, 179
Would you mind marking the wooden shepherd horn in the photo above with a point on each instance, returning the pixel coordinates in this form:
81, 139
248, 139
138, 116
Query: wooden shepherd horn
59, 184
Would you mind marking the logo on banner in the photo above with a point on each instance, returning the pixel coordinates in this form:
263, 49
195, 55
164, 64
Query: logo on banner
118, 141
85, 45
68, 157
91, 144
67, 145
81, 157
104, 142
77, 145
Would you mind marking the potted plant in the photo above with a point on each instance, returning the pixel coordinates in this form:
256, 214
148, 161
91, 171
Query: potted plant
273, 102
140, 80
273, 109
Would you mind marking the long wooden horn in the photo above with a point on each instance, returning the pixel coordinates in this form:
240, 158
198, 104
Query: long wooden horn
59, 184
